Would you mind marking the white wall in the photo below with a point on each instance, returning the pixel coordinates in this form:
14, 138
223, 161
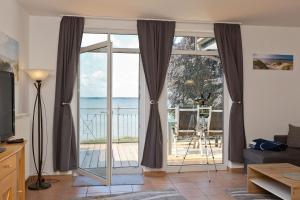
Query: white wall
271, 97
43, 41
14, 23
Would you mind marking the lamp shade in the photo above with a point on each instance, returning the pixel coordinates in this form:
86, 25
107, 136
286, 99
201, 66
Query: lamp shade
38, 74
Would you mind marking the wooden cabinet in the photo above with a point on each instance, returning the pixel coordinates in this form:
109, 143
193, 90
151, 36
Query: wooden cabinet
12, 173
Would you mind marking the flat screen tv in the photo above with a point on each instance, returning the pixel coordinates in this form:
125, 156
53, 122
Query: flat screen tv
7, 105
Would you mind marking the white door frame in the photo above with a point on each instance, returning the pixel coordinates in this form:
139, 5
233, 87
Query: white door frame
184, 29
107, 181
110, 170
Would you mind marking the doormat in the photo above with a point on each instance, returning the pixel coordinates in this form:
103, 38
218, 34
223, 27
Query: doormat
242, 194
169, 194
128, 179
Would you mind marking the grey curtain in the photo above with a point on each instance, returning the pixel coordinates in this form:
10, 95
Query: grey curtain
64, 139
156, 40
229, 42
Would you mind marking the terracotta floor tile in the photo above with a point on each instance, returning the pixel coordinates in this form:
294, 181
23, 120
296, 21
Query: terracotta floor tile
190, 192
76, 190
185, 186
162, 187
198, 198
214, 191
69, 196
192, 185
219, 197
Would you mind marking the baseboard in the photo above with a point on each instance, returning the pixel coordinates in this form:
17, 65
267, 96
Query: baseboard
155, 173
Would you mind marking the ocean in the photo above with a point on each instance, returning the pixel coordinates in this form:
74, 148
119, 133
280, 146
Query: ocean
93, 119
100, 102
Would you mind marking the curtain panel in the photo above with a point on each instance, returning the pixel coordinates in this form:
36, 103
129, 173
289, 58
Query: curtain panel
155, 40
64, 138
229, 42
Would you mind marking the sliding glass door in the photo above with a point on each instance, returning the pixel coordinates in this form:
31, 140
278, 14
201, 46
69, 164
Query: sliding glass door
95, 111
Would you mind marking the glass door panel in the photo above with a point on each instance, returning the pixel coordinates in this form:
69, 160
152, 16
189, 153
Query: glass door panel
189, 78
125, 118
95, 111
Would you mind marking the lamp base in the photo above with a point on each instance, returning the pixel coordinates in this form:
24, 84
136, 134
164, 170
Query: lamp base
37, 186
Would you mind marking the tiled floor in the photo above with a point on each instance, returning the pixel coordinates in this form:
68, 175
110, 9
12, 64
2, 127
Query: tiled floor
193, 185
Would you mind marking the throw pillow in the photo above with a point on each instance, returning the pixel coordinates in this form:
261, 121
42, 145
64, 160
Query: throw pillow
293, 139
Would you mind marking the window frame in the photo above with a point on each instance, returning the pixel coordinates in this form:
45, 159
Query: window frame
144, 107
113, 49
194, 52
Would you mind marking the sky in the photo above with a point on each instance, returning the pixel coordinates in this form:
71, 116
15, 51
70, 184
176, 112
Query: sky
273, 56
93, 68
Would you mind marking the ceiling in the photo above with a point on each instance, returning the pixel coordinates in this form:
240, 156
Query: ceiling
252, 12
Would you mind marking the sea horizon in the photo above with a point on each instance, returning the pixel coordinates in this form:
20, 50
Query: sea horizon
101, 102
93, 117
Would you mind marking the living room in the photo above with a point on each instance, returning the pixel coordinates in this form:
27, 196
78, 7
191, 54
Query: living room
270, 98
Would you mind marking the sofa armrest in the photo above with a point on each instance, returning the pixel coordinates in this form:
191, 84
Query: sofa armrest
281, 138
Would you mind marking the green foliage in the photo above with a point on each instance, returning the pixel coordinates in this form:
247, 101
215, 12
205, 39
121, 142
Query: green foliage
258, 64
189, 76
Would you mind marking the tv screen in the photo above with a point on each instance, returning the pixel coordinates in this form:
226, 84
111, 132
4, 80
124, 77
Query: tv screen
7, 111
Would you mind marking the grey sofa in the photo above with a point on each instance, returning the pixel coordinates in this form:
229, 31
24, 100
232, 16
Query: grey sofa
291, 155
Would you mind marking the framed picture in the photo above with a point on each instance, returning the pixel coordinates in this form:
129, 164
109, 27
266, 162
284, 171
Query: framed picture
9, 55
273, 62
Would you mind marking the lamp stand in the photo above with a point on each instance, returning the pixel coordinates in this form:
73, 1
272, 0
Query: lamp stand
40, 183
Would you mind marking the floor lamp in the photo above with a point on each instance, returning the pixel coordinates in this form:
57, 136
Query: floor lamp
38, 76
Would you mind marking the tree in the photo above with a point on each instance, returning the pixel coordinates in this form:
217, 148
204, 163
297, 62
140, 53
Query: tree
189, 76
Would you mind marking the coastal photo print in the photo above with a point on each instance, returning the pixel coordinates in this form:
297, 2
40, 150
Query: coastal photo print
9, 55
273, 62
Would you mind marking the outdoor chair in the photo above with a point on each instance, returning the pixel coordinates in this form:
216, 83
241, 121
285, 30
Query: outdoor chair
186, 120
215, 126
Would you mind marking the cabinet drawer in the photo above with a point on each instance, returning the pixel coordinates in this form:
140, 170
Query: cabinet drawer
7, 166
8, 189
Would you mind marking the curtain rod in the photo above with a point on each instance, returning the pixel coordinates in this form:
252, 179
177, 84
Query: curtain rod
159, 19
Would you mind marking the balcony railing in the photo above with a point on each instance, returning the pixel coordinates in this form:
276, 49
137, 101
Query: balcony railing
125, 123
93, 125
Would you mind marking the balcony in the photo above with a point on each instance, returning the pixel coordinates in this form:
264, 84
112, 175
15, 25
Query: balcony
93, 138
125, 141
195, 133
